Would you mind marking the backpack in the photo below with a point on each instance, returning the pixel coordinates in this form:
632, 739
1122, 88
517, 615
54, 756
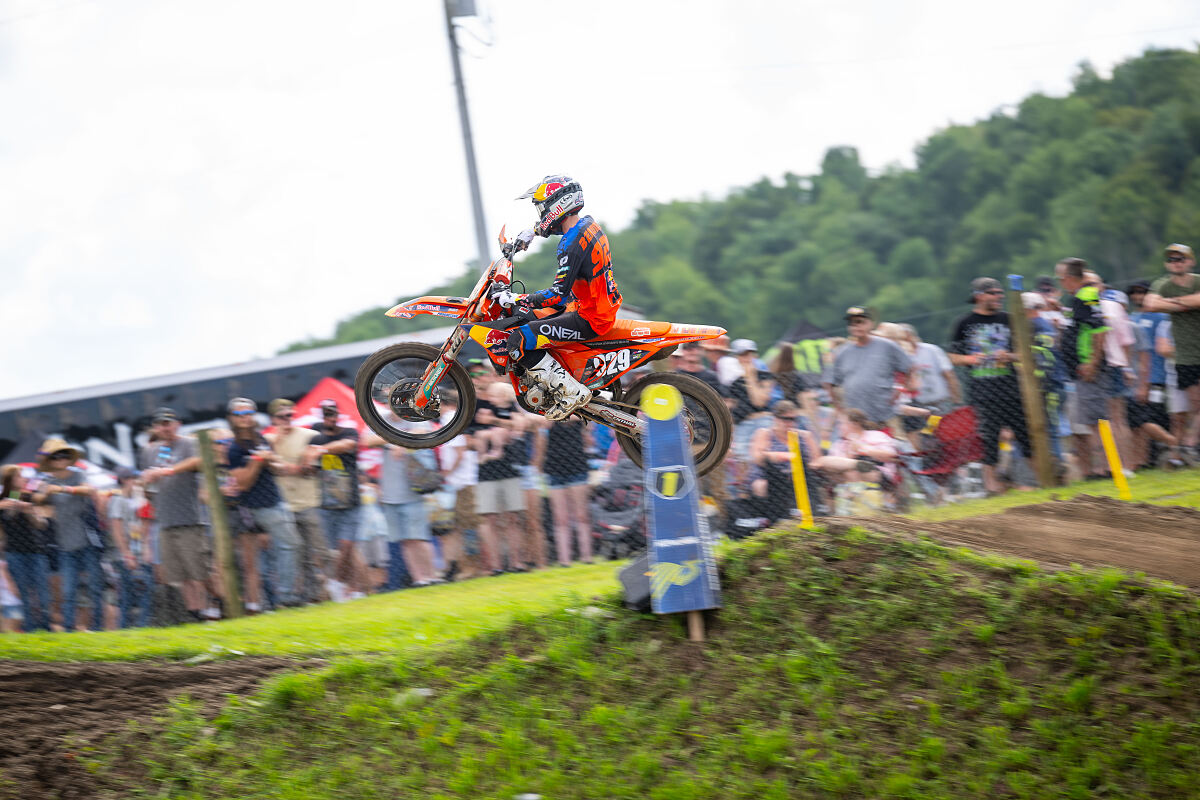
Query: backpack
422, 479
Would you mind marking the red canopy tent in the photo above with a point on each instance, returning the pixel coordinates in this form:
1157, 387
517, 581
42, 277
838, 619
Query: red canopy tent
308, 408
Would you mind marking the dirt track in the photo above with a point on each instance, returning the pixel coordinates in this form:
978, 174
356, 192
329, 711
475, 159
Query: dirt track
41, 703
1161, 541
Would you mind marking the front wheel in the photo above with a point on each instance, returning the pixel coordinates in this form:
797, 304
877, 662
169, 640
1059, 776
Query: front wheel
706, 418
386, 383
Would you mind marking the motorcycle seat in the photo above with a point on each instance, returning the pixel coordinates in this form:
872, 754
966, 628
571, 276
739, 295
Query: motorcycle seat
635, 329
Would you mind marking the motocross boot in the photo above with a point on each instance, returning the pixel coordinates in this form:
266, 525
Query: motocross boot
571, 393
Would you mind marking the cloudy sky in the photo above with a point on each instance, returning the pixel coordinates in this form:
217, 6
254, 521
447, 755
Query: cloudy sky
186, 183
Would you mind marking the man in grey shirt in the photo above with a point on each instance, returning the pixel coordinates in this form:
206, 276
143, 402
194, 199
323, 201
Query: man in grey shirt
865, 368
169, 464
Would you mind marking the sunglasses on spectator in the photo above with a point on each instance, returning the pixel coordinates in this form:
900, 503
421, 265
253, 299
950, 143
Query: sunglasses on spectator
994, 291
223, 442
63, 454
1175, 259
242, 412
284, 415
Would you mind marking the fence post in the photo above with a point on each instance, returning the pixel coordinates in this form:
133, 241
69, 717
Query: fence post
220, 525
1031, 387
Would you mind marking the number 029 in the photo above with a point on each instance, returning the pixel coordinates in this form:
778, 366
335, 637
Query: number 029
612, 363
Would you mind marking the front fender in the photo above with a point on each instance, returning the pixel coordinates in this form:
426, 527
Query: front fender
438, 306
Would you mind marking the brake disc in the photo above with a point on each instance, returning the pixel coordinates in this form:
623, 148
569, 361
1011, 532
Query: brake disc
400, 401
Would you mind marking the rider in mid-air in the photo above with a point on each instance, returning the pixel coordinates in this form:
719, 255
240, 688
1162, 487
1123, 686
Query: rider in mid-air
584, 276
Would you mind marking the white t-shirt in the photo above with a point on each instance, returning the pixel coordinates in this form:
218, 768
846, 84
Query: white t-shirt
466, 473
728, 370
930, 362
1055, 318
1122, 335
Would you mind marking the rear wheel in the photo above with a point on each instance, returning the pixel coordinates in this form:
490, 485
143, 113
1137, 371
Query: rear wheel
388, 380
705, 416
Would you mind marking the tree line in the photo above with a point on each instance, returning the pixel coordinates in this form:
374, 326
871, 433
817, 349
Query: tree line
1110, 173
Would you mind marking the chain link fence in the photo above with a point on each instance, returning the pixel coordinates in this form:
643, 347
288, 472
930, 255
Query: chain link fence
870, 419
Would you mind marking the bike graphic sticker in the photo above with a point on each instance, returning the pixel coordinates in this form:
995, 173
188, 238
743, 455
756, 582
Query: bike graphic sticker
609, 364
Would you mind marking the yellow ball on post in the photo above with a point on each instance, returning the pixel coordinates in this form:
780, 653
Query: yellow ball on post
662, 401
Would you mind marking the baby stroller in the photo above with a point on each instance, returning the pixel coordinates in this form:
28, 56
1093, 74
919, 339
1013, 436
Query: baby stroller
953, 443
618, 509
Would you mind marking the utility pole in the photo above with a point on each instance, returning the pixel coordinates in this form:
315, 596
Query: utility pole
466, 8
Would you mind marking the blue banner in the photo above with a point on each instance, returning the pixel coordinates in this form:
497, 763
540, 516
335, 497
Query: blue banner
683, 571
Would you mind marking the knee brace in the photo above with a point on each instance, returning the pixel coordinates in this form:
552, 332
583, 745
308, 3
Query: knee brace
521, 344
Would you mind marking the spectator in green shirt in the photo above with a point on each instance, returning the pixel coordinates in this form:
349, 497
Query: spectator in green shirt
1178, 294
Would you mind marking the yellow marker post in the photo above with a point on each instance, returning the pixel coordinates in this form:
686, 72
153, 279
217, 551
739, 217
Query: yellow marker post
1114, 460
799, 482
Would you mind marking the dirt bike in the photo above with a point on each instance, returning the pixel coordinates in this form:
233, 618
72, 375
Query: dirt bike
403, 385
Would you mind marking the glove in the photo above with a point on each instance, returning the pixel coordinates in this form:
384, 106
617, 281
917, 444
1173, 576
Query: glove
523, 240
516, 245
507, 299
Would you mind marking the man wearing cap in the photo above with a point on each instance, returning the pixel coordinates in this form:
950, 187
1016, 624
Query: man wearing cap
1148, 415
169, 465
754, 386
298, 481
982, 342
252, 464
335, 450
1178, 293
134, 567
865, 368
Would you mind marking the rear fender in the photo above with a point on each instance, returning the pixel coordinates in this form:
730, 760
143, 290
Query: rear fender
435, 305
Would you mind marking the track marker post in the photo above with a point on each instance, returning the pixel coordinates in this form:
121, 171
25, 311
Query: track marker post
1114, 460
682, 568
1031, 386
800, 482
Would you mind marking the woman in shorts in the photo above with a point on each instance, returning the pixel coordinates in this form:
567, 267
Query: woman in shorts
566, 469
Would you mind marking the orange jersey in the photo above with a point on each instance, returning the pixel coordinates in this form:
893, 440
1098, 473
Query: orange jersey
585, 276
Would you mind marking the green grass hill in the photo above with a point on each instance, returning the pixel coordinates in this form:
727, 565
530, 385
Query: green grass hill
844, 664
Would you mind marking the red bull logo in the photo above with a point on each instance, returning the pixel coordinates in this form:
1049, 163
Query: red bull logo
492, 340
546, 190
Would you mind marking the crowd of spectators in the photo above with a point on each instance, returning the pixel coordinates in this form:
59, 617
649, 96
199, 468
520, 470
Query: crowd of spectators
316, 518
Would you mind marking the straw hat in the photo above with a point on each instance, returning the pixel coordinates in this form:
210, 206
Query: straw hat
717, 345
54, 445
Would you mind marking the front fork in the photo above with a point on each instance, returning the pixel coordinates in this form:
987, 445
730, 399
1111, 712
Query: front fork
435, 370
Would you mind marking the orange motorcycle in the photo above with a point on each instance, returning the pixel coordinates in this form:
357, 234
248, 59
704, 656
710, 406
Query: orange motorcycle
403, 385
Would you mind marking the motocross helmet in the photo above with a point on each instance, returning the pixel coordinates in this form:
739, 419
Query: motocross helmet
554, 197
